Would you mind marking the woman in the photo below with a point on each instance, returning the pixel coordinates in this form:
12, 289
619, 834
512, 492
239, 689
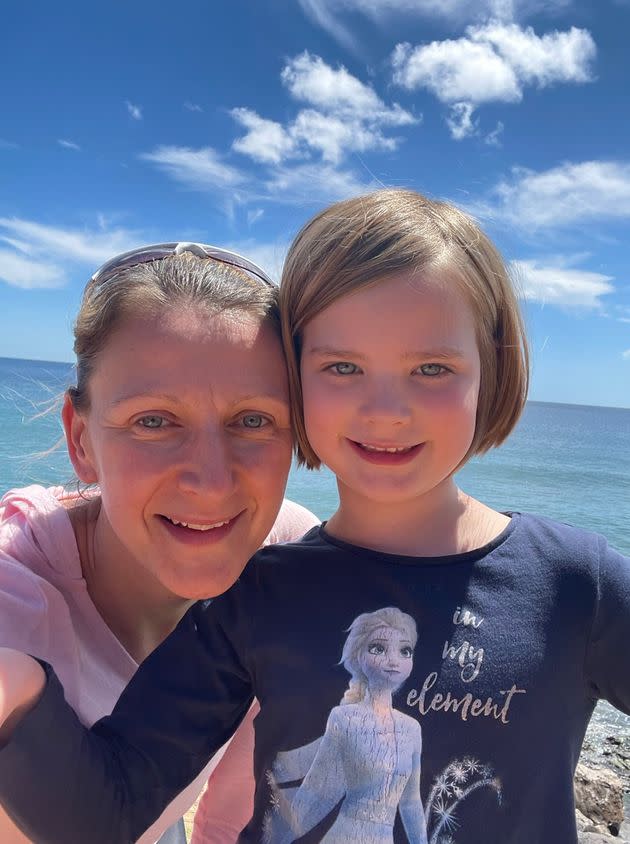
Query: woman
180, 424
368, 760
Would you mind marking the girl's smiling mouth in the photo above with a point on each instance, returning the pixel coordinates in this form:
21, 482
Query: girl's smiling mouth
387, 455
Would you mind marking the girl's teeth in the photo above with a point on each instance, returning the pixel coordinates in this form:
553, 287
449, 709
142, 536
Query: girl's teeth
196, 527
389, 450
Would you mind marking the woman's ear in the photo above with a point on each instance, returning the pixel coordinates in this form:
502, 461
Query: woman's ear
78, 442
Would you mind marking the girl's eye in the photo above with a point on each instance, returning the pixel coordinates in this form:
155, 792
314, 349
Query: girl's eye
343, 368
254, 420
432, 369
152, 421
376, 649
406, 652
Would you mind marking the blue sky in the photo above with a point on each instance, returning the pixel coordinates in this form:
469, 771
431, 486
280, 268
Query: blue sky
234, 121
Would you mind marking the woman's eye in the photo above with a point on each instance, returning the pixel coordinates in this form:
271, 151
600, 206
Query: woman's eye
254, 420
343, 368
432, 369
406, 652
152, 421
376, 650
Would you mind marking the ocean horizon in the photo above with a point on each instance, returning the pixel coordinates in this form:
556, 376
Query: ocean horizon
569, 462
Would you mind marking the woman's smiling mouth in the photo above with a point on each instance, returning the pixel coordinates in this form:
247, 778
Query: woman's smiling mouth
199, 533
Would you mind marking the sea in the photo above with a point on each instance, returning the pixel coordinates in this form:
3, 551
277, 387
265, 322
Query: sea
569, 462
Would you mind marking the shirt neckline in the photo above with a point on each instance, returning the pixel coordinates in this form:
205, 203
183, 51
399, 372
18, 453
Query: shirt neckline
447, 559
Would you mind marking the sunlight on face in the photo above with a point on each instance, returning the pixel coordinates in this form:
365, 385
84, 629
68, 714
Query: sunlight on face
188, 435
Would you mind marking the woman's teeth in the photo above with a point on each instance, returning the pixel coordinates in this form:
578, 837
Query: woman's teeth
196, 527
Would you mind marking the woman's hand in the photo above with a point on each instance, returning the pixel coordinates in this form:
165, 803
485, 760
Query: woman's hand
22, 682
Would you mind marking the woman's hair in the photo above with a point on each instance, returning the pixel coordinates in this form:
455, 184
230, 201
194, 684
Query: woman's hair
361, 241
360, 632
152, 288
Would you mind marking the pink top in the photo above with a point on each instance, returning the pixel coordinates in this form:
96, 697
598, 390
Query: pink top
45, 610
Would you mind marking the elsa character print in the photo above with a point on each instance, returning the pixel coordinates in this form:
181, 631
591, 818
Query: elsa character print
368, 759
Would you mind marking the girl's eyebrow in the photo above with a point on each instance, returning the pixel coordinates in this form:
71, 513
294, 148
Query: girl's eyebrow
441, 352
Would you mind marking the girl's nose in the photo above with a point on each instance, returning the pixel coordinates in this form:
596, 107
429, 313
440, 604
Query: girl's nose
386, 402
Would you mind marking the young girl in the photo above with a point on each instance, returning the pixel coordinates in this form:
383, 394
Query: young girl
406, 357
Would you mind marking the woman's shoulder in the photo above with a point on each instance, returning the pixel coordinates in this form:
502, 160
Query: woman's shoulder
36, 531
292, 522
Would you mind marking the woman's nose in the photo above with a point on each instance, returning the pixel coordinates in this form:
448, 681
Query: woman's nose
209, 466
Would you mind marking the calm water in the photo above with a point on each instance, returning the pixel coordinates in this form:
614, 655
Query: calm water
566, 461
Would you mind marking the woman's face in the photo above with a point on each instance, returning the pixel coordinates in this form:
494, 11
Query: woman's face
188, 435
387, 659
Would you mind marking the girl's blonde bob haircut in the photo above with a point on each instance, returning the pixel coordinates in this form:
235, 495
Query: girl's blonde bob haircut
361, 241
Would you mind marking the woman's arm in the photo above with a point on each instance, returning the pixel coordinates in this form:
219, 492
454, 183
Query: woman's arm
227, 803
22, 682
64, 784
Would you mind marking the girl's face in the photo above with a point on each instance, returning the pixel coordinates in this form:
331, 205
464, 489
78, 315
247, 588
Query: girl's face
388, 659
390, 378
188, 436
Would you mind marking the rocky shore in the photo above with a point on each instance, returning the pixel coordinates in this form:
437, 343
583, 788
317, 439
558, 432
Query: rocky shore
602, 784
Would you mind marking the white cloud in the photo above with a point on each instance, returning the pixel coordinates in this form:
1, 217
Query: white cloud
192, 106
309, 79
29, 274
493, 139
135, 111
306, 183
564, 195
493, 62
460, 121
253, 215
328, 14
626, 355
41, 254
83, 245
200, 169
265, 141
455, 71
343, 115
68, 144
558, 285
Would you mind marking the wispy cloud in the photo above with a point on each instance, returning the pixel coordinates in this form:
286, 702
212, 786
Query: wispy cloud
28, 273
198, 169
304, 159
68, 144
192, 106
493, 62
566, 286
135, 111
331, 15
569, 194
626, 355
41, 255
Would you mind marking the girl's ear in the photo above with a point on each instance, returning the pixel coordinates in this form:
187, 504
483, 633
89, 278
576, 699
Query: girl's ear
78, 442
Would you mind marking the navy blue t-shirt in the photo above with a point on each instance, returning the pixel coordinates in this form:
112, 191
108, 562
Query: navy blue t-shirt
495, 657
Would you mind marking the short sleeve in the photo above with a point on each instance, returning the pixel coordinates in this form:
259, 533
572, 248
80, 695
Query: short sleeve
292, 523
608, 654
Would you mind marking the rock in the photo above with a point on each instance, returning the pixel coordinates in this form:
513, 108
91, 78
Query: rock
595, 838
599, 799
